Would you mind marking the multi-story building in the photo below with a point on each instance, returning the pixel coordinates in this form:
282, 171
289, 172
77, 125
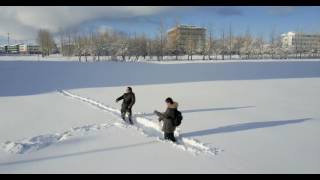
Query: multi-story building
23, 49
13, 49
2, 49
29, 49
33, 49
183, 36
20, 49
301, 41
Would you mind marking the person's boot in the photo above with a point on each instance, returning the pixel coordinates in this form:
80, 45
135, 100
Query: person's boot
130, 121
123, 117
172, 138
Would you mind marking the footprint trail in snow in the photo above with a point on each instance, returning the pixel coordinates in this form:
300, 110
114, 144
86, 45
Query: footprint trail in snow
142, 124
149, 128
39, 142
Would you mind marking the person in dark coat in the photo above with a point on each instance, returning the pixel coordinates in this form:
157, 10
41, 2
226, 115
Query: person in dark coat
129, 100
167, 117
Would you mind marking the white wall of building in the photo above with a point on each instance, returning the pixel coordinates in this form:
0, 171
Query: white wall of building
301, 41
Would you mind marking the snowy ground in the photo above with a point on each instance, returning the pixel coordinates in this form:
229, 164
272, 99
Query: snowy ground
239, 117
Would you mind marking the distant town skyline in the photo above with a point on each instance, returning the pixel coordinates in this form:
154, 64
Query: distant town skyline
23, 22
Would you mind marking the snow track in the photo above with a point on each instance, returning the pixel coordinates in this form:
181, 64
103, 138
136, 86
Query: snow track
149, 128
42, 141
143, 125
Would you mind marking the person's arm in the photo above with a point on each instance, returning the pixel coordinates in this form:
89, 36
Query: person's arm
160, 115
133, 100
119, 98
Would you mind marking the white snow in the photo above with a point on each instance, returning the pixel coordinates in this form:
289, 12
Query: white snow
239, 117
149, 128
42, 141
166, 59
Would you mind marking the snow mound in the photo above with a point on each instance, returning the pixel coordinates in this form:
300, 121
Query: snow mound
149, 128
32, 144
39, 142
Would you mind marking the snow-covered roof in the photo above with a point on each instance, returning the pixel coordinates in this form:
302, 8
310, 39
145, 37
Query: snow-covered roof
290, 33
20, 44
186, 26
15, 44
190, 26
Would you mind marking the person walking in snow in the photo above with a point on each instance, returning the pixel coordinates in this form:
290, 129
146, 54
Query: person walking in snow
168, 118
129, 100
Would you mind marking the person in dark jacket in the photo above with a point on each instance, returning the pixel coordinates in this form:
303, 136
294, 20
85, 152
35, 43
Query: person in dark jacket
129, 100
167, 118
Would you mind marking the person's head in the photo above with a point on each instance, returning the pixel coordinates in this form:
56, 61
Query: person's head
129, 89
169, 101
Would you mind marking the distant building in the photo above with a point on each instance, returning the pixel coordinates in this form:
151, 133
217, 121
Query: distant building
2, 49
12, 49
23, 49
33, 49
55, 49
301, 41
20, 49
29, 49
181, 36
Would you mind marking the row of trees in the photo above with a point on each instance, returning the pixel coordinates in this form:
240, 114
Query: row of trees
115, 44
46, 42
118, 45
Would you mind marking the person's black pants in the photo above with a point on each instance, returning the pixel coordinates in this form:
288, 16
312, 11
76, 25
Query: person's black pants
169, 136
123, 114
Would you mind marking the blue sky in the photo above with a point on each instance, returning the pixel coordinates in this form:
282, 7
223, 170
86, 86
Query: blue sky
259, 20
23, 22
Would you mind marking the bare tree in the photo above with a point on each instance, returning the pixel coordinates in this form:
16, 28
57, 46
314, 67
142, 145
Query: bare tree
230, 48
238, 44
157, 50
190, 48
87, 45
117, 45
95, 46
103, 44
144, 45
177, 49
247, 48
317, 50
299, 47
150, 48
123, 43
273, 44
132, 47
223, 44
79, 45
90, 48
162, 39
137, 46
260, 46
210, 43
204, 50
67, 46
46, 42
141, 46
62, 41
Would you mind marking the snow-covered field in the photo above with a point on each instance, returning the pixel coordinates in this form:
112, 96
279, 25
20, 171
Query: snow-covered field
239, 117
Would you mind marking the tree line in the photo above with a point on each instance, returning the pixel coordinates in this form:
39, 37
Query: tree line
117, 45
